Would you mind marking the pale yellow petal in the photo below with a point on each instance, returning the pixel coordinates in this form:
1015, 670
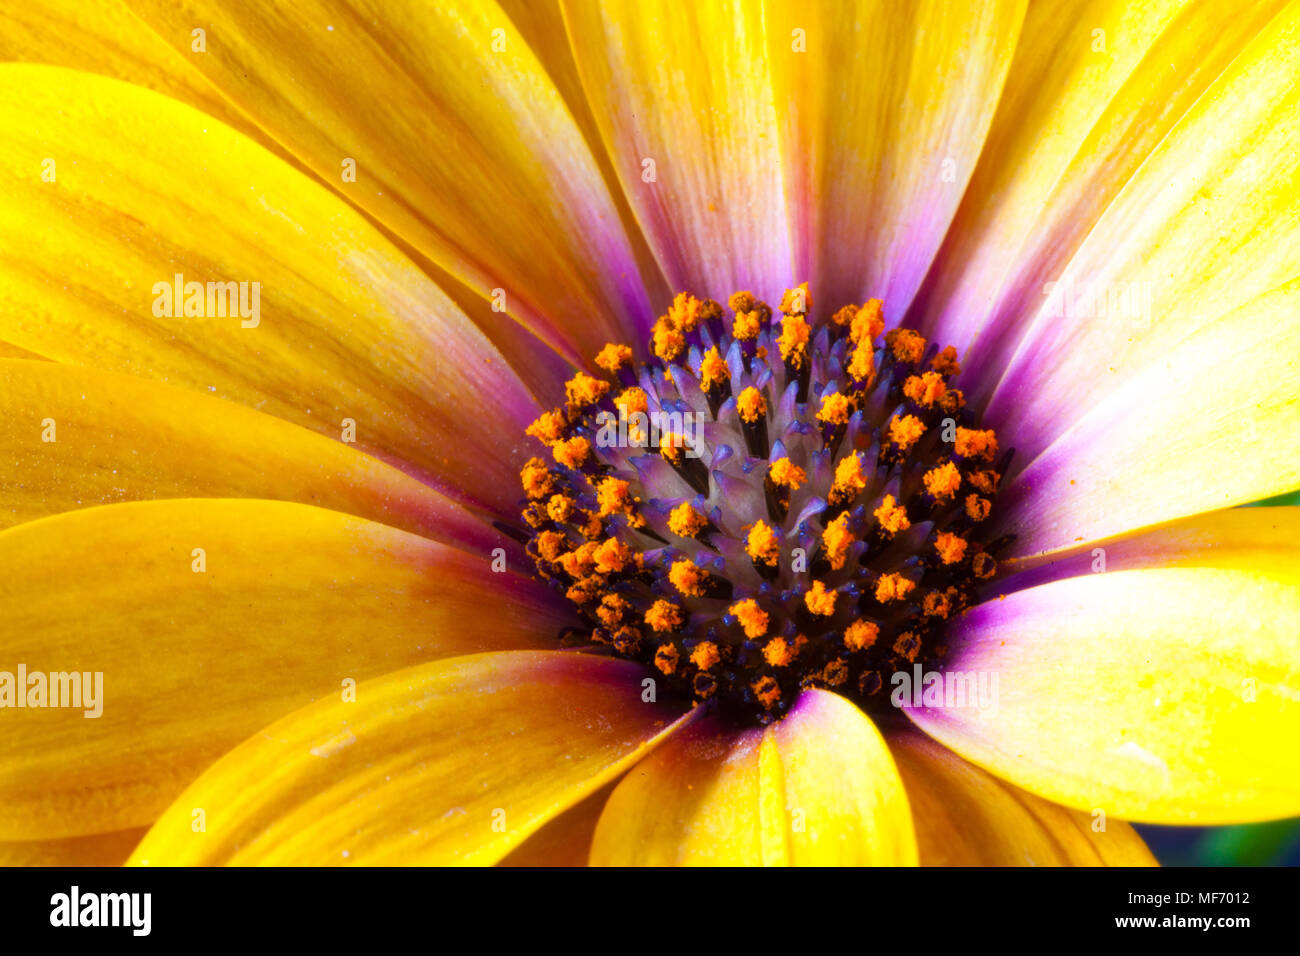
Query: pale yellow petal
817, 788
345, 327
462, 143
453, 762
966, 817
78, 437
207, 619
1158, 696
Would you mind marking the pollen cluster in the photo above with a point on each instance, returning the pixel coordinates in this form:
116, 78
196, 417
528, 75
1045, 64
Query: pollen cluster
769, 503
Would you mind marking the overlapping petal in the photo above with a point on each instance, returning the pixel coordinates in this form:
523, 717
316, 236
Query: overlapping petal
78, 437
452, 762
1160, 696
682, 96
966, 817
1209, 223
1095, 87
1206, 425
208, 619
346, 327
463, 145
882, 108
818, 787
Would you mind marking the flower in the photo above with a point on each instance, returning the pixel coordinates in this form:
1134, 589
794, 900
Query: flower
284, 293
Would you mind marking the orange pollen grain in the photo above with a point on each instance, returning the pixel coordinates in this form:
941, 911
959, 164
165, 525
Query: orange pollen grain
893, 587
746, 325
753, 619
684, 521
766, 691
906, 345
632, 400
951, 547
796, 301
863, 364
550, 544
751, 405
547, 429
612, 555
536, 478
705, 655
687, 578
942, 482
666, 657
868, 322
762, 545
860, 635
905, 431
560, 508
945, 363
974, 443
977, 508
836, 409
836, 540
713, 370
778, 652
849, 480
793, 340
892, 516
925, 389
583, 390
614, 357
741, 301
668, 340
664, 616
615, 497
611, 610
572, 453
820, 600
786, 474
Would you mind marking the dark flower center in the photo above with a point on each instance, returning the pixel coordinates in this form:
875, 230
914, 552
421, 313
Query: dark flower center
766, 506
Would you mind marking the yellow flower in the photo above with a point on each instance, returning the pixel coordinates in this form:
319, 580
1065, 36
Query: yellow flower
282, 295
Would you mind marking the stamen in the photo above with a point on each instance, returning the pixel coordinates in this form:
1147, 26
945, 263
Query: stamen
818, 531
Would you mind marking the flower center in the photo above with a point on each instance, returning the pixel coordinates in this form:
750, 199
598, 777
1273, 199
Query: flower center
766, 506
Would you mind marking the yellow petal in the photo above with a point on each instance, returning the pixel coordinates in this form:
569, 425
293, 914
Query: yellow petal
683, 99
872, 176
346, 327
1245, 539
565, 840
291, 603
817, 788
106, 38
1094, 88
1208, 425
99, 849
1209, 222
1159, 696
965, 817
453, 762
78, 437
463, 145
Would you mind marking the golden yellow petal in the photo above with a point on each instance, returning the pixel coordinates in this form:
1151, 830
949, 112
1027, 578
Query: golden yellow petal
345, 326
454, 762
817, 788
206, 620
965, 817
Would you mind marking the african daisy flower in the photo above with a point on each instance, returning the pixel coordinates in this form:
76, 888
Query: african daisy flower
839, 349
